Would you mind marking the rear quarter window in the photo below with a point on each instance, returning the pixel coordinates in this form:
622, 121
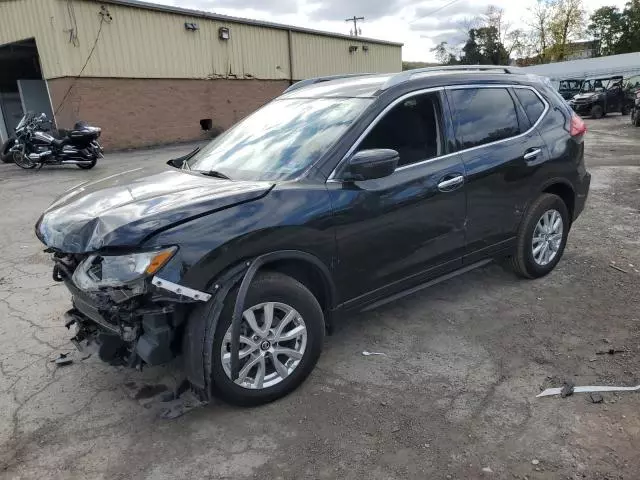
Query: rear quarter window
533, 106
483, 115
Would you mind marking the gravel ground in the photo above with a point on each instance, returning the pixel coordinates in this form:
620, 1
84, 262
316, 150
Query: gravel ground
454, 397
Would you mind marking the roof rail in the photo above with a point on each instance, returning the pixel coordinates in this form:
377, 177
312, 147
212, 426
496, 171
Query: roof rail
409, 74
313, 81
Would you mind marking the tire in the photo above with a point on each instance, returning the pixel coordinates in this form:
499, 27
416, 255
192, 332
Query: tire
523, 261
635, 118
280, 289
88, 166
624, 110
597, 111
23, 161
5, 155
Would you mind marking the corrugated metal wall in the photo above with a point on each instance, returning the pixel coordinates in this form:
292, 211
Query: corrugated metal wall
316, 55
141, 43
24, 19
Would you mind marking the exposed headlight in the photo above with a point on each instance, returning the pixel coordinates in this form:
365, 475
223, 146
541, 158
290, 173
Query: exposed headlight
98, 271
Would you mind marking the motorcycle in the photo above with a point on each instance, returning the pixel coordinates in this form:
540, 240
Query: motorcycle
635, 111
35, 147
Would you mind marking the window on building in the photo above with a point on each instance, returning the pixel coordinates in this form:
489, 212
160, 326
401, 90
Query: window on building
483, 115
531, 103
412, 128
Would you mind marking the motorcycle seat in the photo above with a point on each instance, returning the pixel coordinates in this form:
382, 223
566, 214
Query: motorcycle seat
60, 142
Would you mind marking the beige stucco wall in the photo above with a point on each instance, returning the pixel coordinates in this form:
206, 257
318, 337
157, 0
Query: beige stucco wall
140, 43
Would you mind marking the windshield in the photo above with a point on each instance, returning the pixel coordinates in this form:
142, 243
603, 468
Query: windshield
281, 139
601, 84
570, 84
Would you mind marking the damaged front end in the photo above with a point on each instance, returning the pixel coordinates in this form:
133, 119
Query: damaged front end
122, 311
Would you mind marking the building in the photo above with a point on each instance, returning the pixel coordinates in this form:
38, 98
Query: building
626, 64
581, 50
151, 74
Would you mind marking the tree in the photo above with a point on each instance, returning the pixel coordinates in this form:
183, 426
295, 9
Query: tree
444, 54
484, 47
630, 37
566, 24
605, 26
539, 35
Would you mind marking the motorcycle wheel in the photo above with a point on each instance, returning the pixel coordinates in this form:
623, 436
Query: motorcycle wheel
88, 166
636, 118
20, 159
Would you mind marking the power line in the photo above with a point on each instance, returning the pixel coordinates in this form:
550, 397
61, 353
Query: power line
95, 43
355, 24
435, 11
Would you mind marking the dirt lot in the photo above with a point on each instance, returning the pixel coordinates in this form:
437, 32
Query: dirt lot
453, 397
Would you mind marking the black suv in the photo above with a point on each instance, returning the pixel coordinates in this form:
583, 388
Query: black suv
341, 194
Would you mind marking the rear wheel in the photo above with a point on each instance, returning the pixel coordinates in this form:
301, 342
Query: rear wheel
282, 331
597, 111
542, 237
88, 166
624, 110
635, 118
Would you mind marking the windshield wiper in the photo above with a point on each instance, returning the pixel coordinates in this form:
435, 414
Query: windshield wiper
214, 173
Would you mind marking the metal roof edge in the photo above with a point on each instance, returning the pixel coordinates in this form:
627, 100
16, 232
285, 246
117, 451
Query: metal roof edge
246, 21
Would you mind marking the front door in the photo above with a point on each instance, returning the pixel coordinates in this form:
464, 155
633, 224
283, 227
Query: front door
400, 230
501, 152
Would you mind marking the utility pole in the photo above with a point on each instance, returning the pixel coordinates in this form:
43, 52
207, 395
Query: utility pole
355, 19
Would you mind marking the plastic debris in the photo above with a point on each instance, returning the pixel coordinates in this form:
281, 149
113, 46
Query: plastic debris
566, 390
596, 398
588, 389
535, 461
368, 354
487, 470
63, 359
610, 351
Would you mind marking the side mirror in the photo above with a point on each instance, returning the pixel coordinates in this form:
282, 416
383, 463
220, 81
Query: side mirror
371, 164
179, 162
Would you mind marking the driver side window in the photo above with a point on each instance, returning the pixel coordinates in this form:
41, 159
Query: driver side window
413, 128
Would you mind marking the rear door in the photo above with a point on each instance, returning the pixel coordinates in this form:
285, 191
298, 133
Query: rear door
501, 151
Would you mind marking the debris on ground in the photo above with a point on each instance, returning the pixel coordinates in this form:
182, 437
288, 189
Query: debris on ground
368, 354
535, 461
63, 359
566, 390
610, 351
487, 470
596, 397
615, 267
588, 389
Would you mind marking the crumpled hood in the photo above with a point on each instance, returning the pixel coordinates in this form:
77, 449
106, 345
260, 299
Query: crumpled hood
124, 209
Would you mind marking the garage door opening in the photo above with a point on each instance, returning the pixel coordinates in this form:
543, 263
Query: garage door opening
22, 88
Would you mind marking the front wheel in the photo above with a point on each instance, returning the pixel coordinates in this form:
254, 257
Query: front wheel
282, 331
542, 237
21, 159
597, 111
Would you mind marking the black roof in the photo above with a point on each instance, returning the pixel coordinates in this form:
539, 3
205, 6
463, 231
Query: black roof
372, 85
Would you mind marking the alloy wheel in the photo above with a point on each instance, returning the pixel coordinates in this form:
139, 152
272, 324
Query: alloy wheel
547, 237
273, 340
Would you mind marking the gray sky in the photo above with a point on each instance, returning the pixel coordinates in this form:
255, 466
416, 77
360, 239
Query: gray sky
419, 24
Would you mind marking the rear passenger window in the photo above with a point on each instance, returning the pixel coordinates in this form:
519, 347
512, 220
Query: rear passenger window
483, 115
531, 103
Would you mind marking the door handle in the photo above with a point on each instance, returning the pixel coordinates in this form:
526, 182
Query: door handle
450, 183
532, 154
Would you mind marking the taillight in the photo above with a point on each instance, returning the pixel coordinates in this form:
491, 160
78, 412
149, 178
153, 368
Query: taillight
578, 126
